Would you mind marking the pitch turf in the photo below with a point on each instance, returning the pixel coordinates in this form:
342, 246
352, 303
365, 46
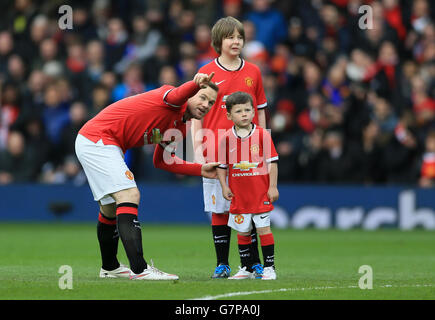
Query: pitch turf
311, 264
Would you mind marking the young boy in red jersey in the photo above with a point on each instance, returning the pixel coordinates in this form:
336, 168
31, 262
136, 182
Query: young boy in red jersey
248, 153
232, 73
154, 117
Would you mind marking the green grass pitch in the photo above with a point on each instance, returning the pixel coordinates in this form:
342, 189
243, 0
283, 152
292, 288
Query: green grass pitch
311, 264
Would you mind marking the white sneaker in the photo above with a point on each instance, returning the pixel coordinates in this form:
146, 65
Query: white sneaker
242, 274
121, 272
269, 273
152, 273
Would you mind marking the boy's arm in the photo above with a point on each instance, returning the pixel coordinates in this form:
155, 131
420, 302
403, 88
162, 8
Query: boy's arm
222, 177
273, 193
262, 118
166, 160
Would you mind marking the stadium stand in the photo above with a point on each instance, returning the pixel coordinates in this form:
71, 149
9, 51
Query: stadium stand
345, 104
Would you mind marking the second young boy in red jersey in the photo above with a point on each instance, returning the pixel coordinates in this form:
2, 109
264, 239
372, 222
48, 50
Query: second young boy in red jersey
248, 153
232, 73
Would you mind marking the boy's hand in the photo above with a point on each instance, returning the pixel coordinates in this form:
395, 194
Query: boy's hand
273, 194
227, 193
202, 79
208, 170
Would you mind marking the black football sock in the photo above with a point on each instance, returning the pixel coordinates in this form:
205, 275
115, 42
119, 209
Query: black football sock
255, 256
221, 237
268, 249
131, 235
244, 243
108, 239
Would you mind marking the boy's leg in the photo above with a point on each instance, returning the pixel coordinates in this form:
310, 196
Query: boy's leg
244, 242
221, 237
267, 246
262, 222
254, 246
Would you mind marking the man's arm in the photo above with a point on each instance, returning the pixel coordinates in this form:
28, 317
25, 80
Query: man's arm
168, 161
179, 95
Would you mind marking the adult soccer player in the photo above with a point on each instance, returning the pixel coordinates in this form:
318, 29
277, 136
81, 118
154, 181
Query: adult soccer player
248, 153
232, 73
155, 117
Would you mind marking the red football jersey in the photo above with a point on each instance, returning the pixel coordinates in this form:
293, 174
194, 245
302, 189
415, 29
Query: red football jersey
246, 78
140, 119
248, 177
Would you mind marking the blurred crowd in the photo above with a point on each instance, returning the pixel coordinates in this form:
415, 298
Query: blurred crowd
351, 94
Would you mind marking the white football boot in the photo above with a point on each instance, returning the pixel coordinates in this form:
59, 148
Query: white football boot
152, 273
121, 272
242, 274
269, 273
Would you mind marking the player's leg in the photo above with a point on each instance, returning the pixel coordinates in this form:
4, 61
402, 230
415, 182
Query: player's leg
242, 223
267, 245
215, 203
108, 238
254, 246
127, 203
221, 237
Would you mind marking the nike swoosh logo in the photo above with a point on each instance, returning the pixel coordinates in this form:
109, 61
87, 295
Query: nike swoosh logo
241, 251
218, 83
135, 221
218, 237
263, 217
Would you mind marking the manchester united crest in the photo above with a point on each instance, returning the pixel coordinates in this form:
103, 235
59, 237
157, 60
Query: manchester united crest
238, 218
129, 175
249, 82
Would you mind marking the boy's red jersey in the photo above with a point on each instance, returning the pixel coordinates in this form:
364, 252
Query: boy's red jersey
246, 78
137, 120
247, 162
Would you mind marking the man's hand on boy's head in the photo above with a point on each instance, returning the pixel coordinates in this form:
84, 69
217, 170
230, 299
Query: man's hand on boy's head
202, 79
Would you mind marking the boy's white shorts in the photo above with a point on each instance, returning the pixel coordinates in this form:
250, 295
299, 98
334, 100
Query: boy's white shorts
243, 222
104, 167
214, 201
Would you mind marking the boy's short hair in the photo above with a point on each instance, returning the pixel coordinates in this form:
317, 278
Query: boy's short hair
238, 97
223, 28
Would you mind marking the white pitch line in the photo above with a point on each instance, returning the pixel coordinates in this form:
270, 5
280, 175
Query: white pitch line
247, 293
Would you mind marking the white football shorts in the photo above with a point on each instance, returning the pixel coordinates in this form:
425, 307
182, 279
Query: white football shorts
104, 167
243, 222
214, 201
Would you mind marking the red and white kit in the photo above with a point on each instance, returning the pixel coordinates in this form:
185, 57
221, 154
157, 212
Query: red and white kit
246, 78
247, 162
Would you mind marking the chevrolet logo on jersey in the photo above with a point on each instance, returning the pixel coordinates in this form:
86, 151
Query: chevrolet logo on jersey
245, 165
